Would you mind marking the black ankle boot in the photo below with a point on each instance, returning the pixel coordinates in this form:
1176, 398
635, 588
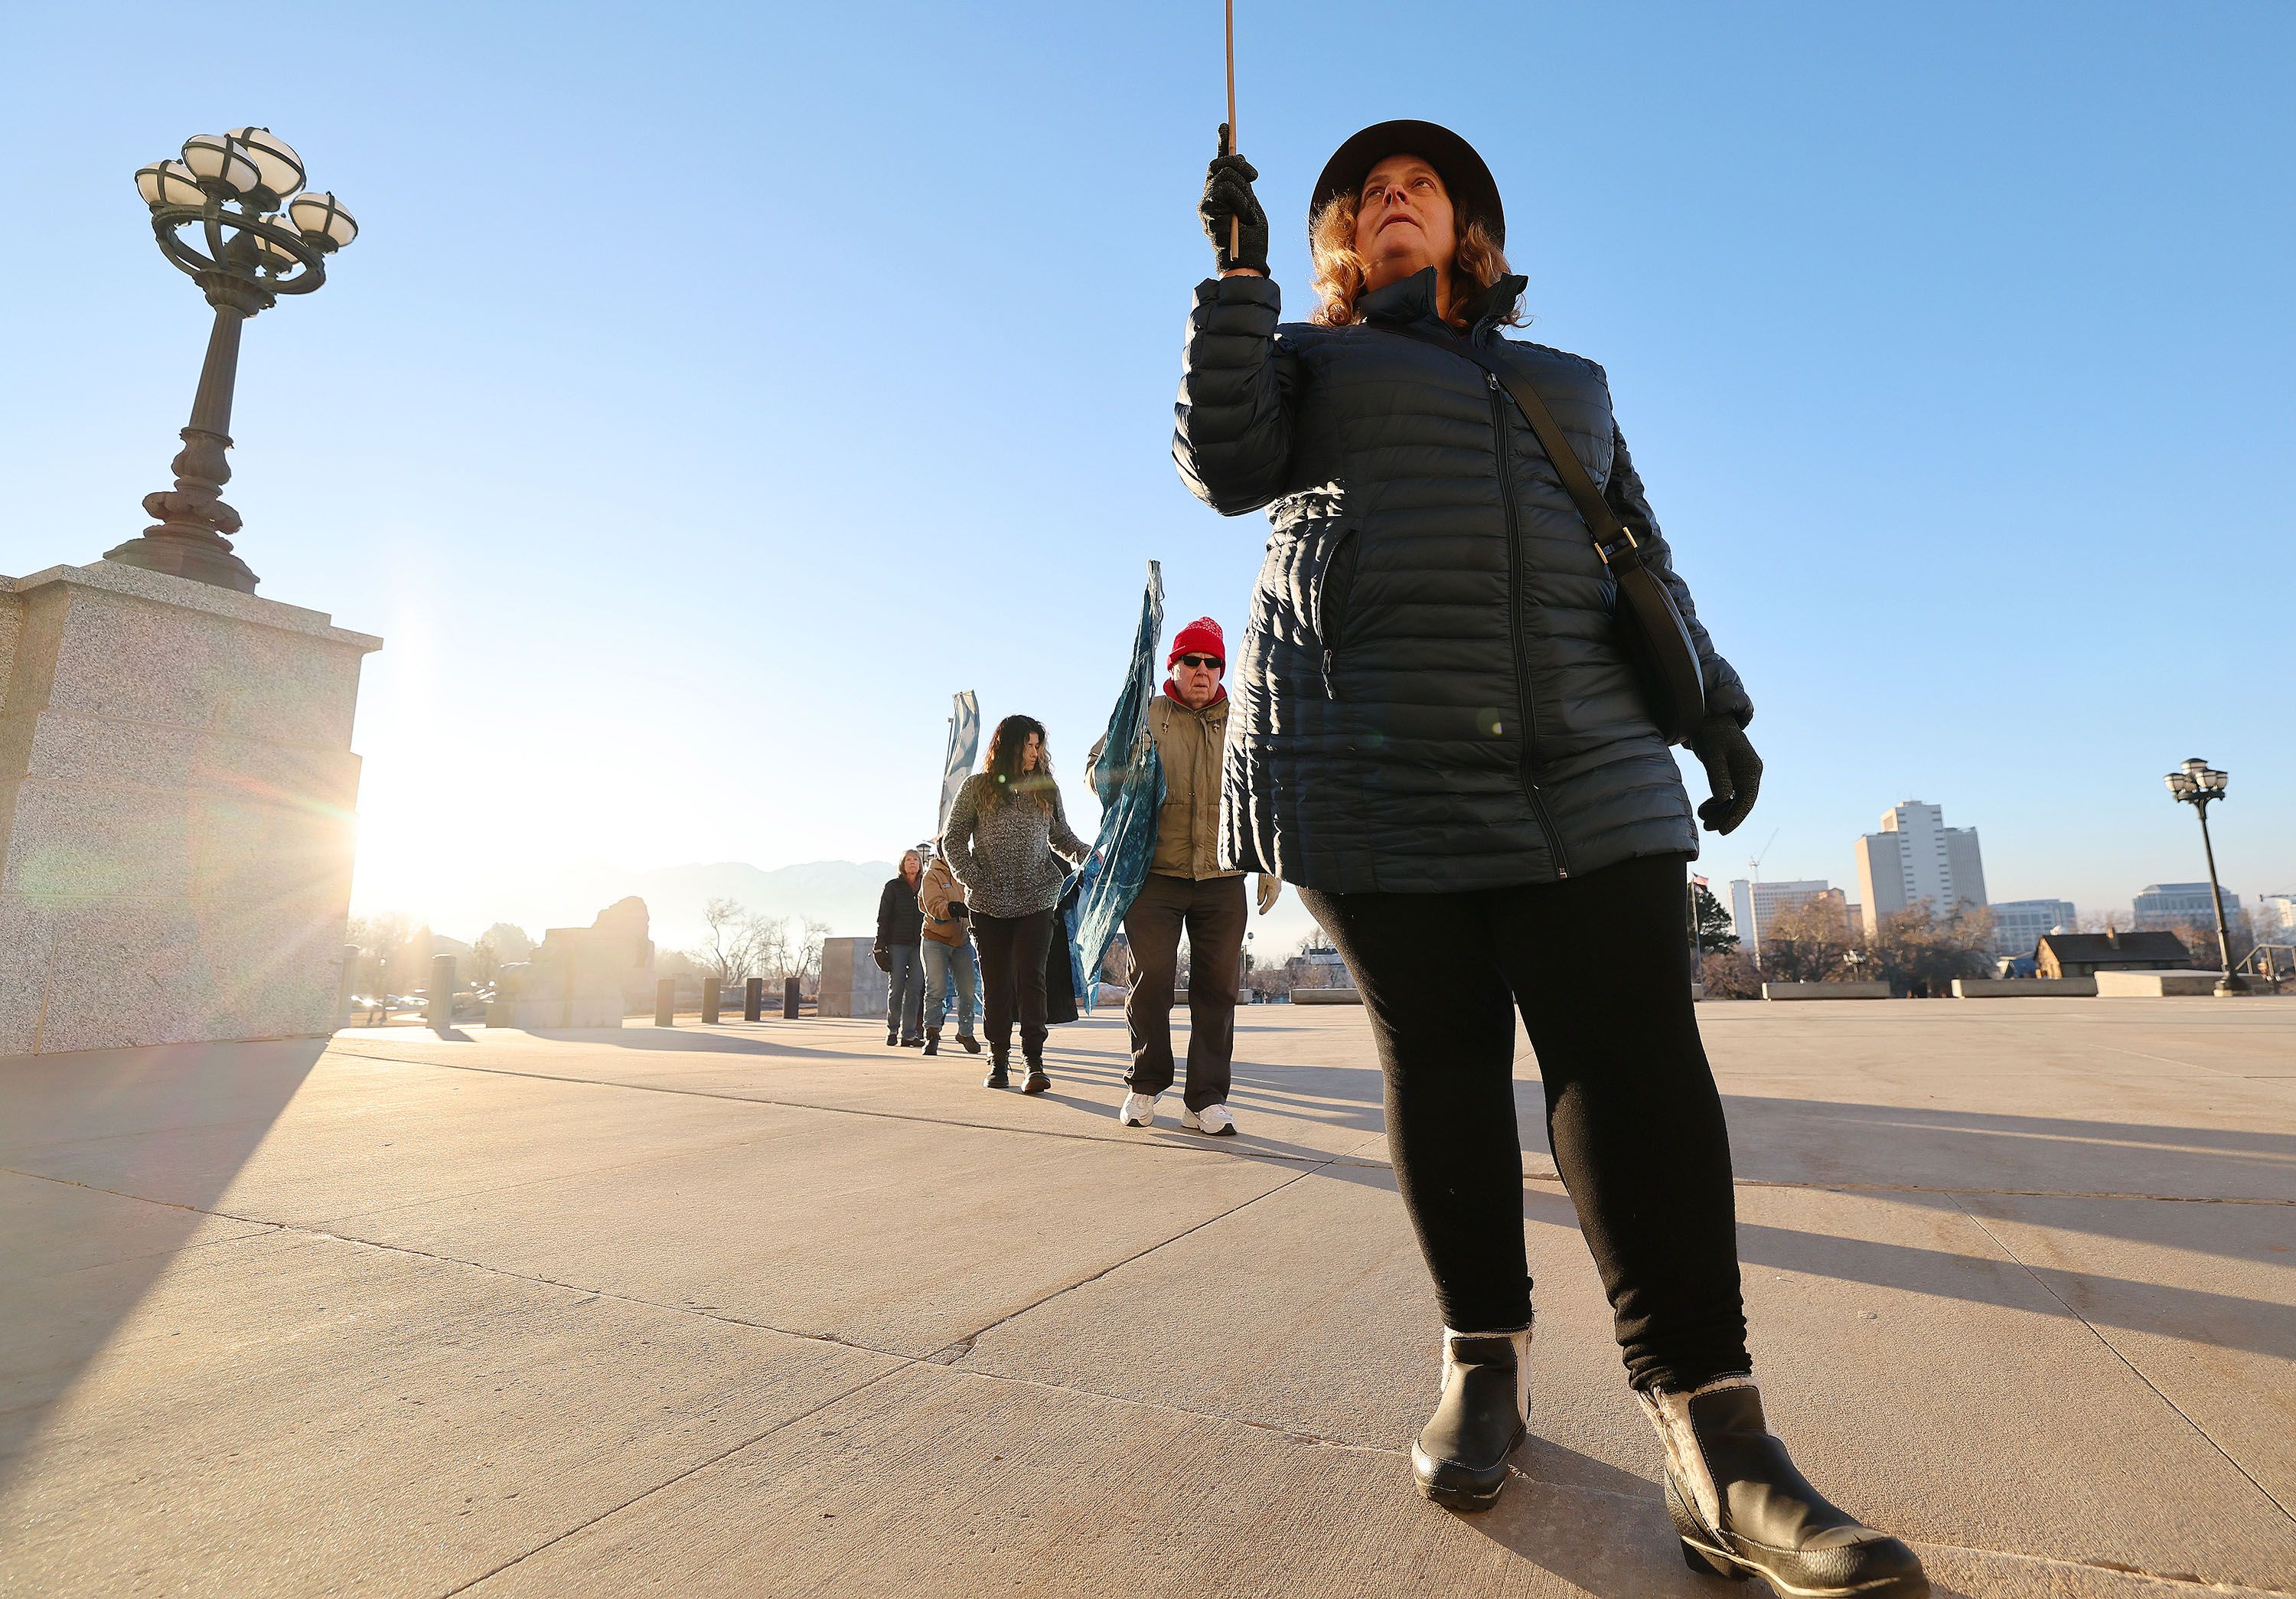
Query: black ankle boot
1038, 1081
996, 1077
1741, 1510
892, 1038
1461, 1457
932, 1041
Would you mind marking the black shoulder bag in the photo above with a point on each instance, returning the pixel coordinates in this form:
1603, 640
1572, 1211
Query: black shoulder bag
1657, 639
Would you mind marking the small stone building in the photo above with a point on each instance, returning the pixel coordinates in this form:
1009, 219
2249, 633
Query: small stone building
2085, 955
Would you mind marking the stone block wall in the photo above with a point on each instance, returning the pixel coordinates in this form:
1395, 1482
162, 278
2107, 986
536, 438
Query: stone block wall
177, 796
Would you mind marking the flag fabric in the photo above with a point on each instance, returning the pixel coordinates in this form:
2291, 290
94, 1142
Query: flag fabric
963, 750
1130, 782
1698, 880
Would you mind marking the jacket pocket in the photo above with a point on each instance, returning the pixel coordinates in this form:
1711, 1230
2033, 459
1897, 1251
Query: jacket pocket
1335, 581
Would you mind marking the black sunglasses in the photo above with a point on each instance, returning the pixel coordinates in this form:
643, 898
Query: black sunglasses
1203, 660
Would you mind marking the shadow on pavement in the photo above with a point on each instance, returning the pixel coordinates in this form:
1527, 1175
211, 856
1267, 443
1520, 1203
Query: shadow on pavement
72, 1276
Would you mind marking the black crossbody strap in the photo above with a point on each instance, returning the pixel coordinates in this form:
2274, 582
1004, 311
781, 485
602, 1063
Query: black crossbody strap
1600, 520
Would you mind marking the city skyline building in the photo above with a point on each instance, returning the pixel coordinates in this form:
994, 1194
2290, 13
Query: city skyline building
1754, 906
2275, 917
1916, 859
2019, 925
2172, 905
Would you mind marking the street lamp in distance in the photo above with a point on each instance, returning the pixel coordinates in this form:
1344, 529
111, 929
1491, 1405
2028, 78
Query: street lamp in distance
264, 236
2196, 783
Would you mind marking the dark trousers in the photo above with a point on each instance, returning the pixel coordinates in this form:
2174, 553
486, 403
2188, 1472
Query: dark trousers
1013, 978
1213, 912
1600, 967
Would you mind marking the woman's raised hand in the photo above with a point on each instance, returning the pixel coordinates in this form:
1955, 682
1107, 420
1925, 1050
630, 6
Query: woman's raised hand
1227, 195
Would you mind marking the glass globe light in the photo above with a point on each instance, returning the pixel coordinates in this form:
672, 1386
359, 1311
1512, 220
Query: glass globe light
2195, 767
277, 167
168, 183
2181, 783
2214, 780
274, 254
320, 214
220, 159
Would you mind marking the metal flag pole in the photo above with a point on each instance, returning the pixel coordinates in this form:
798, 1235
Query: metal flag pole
1234, 225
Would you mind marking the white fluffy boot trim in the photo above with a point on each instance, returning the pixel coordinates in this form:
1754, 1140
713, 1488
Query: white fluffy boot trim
1669, 1413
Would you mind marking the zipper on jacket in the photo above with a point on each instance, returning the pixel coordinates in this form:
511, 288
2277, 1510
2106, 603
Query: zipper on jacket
1525, 705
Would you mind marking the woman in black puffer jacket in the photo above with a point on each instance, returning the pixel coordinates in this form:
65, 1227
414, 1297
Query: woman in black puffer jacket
1438, 737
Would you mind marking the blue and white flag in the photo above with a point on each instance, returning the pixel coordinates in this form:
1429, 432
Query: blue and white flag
1130, 781
963, 750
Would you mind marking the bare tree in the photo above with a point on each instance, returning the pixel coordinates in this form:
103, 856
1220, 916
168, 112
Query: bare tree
1920, 952
738, 944
1729, 974
809, 957
1807, 943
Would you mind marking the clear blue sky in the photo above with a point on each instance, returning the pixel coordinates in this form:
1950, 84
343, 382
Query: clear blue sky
716, 388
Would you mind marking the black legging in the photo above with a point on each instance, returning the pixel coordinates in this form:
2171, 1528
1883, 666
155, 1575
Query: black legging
1600, 966
1012, 951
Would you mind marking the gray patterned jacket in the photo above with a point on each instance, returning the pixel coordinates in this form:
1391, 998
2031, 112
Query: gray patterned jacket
1005, 854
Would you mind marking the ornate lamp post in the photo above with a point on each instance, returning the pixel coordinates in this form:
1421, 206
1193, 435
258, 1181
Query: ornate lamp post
263, 238
2196, 783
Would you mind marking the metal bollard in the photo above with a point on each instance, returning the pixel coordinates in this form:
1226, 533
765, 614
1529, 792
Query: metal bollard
789, 999
348, 982
710, 990
442, 992
753, 999
665, 1003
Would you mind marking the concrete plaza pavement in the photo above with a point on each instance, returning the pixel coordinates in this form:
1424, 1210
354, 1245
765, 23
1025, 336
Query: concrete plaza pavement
769, 1309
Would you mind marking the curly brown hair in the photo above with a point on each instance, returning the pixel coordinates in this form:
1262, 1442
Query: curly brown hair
1002, 763
1339, 271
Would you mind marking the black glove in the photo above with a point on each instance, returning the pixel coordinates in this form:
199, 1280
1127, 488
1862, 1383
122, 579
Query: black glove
885, 961
1228, 193
1732, 771
957, 911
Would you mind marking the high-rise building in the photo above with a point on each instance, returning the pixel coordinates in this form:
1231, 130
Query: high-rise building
2275, 918
1755, 906
1917, 858
2017, 924
2179, 905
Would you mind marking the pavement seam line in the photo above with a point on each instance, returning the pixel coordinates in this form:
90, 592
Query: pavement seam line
963, 1347
700, 1465
2135, 1371
798, 1104
1316, 1162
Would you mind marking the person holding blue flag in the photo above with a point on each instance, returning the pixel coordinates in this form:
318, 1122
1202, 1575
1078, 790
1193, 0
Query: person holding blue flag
1188, 890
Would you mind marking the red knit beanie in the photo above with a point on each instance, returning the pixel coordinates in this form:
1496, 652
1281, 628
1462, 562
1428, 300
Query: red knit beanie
1201, 636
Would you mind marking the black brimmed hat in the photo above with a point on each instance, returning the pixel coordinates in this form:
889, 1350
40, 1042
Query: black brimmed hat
1473, 193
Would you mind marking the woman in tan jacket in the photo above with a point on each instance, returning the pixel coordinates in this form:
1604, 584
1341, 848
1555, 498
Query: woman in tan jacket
947, 947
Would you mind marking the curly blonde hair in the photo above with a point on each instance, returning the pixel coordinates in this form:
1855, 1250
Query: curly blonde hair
1339, 271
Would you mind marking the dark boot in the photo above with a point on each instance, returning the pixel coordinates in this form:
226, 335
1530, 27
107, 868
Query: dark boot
997, 1077
893, 1036
1741, 1510
1461, 1457
932, 1041
1038, 1081
972, 1044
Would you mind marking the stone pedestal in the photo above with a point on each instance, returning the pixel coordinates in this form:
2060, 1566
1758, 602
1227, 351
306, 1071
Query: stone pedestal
851, 983
176, 824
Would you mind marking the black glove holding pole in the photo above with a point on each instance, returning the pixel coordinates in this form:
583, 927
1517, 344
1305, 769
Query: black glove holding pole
1732, 771
1228, 196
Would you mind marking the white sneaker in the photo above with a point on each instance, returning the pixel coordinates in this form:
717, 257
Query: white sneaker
1139, 1111
1212, 1118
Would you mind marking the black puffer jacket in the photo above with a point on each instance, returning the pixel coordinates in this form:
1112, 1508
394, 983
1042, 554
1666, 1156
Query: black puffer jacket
1431, 696
900, 920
